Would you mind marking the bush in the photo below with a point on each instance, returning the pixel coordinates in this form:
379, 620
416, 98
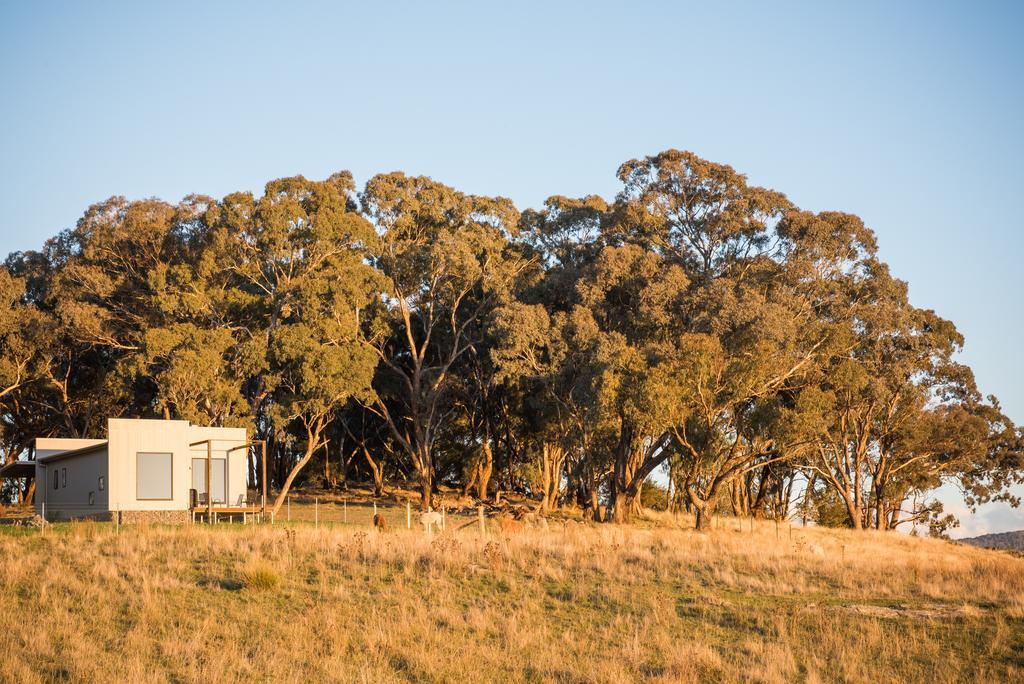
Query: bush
654, 496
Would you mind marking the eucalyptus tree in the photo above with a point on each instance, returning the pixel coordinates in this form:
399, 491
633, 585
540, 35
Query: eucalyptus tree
897, 415
535, 349
99, 286
530, 355
629, 315
565, 352
743, 331
446, 261
888, 412
123, 259
19, 335
971, 445
22, 335
200, 356
296, 262
199, 372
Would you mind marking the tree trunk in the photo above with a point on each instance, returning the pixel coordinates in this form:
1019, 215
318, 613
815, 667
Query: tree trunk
703, 518
638, 507
331, 482
470, 478
486, 467
312, 444
545, 474
622, 507
377, 471
426, 489
703, 507
621, 500
555, 490
739, 494
856, 514
552, 460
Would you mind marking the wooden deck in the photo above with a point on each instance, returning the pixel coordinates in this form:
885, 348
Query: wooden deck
217, 512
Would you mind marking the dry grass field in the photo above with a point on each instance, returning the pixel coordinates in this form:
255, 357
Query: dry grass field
573, 603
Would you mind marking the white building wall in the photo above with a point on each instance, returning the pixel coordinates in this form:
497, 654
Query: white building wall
126, 437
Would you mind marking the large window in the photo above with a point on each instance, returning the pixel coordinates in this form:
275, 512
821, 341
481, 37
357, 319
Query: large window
219, 475
153, 475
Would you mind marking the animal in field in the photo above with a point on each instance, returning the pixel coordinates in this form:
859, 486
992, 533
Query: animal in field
510, 525
379, 523
430, 520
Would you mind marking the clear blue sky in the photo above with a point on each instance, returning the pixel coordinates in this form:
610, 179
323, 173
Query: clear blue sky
908, 114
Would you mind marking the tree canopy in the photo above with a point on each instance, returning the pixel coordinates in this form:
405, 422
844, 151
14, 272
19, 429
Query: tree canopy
749, 355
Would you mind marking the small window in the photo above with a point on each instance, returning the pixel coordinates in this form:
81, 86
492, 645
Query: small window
56, 479
103, 482
153, 476
63, 478
92, 498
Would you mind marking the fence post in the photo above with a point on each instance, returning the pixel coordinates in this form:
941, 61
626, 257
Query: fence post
271, 517
408, 515
316, 513
374, 508
344, 510
289, 508
442, 517
42, 527
483, 529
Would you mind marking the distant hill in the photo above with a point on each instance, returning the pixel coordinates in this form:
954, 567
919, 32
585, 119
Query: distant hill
1013, 541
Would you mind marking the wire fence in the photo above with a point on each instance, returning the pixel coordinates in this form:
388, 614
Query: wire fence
303, 510
334, 512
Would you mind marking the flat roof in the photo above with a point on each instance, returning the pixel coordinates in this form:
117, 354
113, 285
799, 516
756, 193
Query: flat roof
73, 452
19, 469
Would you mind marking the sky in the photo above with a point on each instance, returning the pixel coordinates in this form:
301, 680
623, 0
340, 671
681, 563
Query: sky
907, 114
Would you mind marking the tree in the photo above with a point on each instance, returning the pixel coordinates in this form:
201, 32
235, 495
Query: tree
296, 261
565, 353
199, 372
19, 335
629, 312
446, 261
739, 336
890, 411
535, 350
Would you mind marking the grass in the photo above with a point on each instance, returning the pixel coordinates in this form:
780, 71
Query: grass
260, 576
583, 603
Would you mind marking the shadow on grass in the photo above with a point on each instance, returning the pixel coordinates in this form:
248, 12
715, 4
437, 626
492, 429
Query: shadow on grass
220, 583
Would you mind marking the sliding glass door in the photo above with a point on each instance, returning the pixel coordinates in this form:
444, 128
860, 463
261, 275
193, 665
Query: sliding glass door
219, 477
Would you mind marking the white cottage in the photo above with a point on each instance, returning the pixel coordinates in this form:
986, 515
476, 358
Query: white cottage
146, 470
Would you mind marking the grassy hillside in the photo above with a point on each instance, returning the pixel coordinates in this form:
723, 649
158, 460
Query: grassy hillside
575, 603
